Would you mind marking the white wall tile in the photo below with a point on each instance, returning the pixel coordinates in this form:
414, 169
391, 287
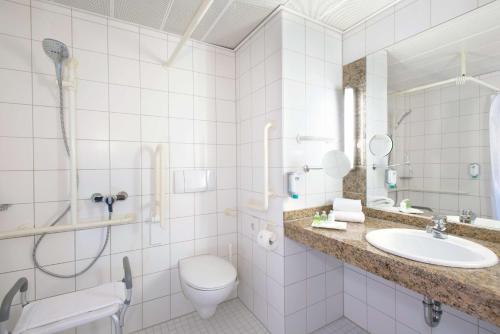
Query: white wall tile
47, 23
154, 102
123, 43
15, 53
125, 99
15, 19
90, 36
123, 71
154, 76
15, 87
355, 310
153, 49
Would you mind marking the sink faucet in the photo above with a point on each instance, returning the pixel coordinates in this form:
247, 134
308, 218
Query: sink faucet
438, 228
467, 216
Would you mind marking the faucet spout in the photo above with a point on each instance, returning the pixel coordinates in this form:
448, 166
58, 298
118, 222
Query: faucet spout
438, 228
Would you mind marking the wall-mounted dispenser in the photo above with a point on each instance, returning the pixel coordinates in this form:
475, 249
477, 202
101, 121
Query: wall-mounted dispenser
474, 170
294, 180
391, 178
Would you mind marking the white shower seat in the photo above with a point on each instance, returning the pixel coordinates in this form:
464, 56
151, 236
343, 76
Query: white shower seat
67, 311
56, 314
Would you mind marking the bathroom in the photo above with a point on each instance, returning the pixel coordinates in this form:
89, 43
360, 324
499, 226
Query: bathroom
180, 154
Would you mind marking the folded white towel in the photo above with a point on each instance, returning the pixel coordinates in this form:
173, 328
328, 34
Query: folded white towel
348, 205
353, 217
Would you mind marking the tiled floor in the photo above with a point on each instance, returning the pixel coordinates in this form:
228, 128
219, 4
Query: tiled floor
233, 317
341, 326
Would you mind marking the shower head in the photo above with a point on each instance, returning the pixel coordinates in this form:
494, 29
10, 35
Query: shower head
58, 52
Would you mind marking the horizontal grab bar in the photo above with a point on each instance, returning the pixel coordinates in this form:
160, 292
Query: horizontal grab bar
30, 231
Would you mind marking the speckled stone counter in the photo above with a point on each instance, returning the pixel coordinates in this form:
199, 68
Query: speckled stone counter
474, 291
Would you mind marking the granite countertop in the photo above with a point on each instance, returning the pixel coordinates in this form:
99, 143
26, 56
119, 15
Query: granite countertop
474, 291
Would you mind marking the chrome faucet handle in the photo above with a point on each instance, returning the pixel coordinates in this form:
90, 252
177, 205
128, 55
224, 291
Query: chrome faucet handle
439, 222
439, 227
467, 216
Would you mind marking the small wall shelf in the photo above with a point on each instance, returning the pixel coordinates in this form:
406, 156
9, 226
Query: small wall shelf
31, 231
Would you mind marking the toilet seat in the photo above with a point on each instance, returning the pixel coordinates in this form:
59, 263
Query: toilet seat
207, 272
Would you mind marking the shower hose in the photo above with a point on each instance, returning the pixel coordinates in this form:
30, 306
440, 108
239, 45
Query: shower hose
68, 208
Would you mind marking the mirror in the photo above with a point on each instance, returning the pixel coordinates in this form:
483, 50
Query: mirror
336, 164
429, 142
380, 145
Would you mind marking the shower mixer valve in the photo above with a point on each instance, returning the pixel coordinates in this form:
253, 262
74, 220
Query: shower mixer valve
109, 200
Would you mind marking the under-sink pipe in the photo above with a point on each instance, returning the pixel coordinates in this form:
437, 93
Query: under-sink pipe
432, 312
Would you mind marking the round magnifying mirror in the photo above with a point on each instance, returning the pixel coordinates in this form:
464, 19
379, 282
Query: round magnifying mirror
336, 164
380, 145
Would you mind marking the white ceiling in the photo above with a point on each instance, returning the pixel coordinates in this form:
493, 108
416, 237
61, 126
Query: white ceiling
434, 55
228, 22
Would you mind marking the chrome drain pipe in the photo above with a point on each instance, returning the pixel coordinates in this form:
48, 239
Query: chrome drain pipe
432, 312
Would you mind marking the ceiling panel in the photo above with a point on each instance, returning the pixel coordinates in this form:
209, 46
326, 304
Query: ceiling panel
227, 22
210, 18
180, 15
95, 6
146, 12
341, 14
240, 19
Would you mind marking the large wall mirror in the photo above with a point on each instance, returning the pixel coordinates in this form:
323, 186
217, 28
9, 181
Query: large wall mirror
433, 121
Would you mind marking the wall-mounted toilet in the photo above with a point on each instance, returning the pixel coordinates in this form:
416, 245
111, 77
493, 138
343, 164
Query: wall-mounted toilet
206, 281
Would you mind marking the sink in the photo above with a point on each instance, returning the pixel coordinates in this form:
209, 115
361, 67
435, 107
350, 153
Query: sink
423, 247
479, 222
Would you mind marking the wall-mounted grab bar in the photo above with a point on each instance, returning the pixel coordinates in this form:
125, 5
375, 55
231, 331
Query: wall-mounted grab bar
314, 138
159, 208
29, 231
265, 203
70, 85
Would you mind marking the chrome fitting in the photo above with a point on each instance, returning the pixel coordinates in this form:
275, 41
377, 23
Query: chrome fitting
432, 312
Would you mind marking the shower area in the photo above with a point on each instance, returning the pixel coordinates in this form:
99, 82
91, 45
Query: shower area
443, 136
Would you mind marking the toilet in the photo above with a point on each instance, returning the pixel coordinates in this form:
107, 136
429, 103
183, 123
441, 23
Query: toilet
206, 281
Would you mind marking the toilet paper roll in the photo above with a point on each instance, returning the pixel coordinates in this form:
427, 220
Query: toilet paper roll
267, 239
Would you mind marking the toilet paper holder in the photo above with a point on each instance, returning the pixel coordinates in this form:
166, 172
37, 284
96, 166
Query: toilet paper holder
267, 237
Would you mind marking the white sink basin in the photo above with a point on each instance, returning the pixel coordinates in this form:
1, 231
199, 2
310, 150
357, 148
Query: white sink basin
423, 247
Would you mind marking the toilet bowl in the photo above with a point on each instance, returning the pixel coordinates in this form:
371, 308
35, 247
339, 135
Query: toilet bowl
206, 280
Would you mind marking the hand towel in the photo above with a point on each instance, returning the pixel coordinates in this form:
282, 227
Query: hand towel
352, 217
348, 205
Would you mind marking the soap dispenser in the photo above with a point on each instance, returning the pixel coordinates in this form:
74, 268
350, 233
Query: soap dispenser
294, 180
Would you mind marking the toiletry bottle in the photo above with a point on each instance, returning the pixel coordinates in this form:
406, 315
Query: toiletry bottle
324, 217
316, 218
331, 216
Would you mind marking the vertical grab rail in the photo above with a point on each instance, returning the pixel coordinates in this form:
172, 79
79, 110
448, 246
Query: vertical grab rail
159, 213
70, 84
265, 204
